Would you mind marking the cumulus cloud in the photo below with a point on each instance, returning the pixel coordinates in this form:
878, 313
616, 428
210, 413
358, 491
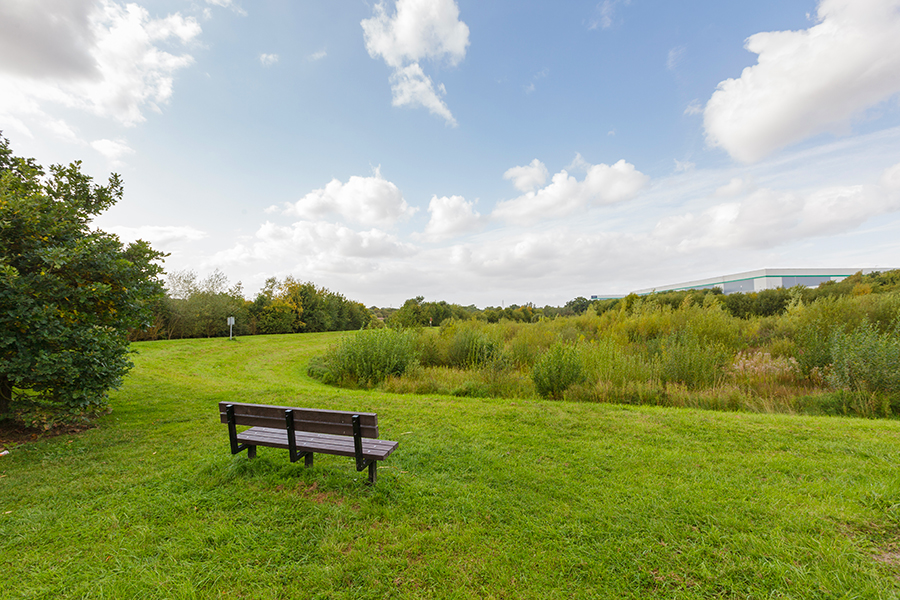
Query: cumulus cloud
100, 57
766, 217
533, 175
450, 217
603, 184
371, 201
267, 60
317, 55
810, 81
411, 87
317, 247
418, 30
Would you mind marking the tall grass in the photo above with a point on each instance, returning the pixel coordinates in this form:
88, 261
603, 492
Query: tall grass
818, 357
367, 358
556, 370
867, 365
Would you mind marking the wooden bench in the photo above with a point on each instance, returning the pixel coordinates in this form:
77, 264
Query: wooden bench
305, 431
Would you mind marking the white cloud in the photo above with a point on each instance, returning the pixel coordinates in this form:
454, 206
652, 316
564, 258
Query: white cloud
450, 217
371, 201
810, 81
159, 236
267, 60
317, 55
228, 4
890, 179
316, 247
100, 57
604, 14
684, 166
768, 218
533, 175
419, 30
694, 108
411, 87
113, 150
674, 57
603, 184
735, 187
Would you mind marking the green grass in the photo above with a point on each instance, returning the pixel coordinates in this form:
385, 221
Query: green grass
483, 499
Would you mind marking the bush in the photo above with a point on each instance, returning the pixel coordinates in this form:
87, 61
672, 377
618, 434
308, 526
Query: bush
367, 357
867, 361
556, 370
684, 359
471, 348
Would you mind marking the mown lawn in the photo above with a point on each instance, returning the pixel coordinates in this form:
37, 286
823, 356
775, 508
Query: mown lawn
483, 499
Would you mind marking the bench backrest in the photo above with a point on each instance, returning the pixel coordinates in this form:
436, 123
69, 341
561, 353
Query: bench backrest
335, 422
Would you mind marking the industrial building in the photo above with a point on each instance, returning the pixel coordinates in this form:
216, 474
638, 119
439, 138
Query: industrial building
755, 281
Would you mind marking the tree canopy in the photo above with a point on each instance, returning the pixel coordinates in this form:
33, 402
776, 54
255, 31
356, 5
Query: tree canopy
68, 293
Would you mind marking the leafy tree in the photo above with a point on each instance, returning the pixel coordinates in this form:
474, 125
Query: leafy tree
412, 314
201, 308
68, 294
578, 305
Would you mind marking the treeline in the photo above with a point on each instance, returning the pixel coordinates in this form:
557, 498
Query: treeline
200, 308
415, 312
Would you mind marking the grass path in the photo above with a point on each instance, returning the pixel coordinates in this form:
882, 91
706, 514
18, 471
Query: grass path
483, 499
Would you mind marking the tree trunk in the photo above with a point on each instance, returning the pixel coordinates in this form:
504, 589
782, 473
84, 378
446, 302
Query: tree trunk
5, 395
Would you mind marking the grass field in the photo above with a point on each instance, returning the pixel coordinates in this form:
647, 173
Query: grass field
483, 499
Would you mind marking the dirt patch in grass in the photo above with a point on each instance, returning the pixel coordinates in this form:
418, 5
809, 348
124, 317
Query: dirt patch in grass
13, 434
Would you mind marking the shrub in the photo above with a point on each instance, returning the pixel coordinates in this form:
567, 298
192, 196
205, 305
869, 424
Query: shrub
556, 370
471, 348
367, 357
617, 363
684, 359
867, 361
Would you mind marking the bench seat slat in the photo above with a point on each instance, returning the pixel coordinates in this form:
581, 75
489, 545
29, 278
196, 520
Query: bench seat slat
316, 442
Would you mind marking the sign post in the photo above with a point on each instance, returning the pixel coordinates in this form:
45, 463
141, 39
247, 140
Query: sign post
230, 327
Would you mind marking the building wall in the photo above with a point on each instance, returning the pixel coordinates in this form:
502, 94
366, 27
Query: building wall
762, 279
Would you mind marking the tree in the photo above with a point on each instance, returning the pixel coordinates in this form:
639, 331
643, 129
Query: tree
68, 294
578, 305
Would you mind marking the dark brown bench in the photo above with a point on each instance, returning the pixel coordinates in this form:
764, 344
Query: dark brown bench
304, 431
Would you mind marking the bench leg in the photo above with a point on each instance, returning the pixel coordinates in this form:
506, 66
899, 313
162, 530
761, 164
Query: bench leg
308, 459
373, 474
251, 451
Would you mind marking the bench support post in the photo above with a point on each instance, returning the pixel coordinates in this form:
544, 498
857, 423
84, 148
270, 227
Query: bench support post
292, 441
232, 435
361, 463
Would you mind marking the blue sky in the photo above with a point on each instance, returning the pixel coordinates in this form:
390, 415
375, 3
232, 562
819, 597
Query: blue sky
476, 152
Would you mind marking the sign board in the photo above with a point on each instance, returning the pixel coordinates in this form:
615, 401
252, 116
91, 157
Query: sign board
231, 320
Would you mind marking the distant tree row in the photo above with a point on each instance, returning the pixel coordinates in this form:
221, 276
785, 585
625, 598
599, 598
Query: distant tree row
200, 308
